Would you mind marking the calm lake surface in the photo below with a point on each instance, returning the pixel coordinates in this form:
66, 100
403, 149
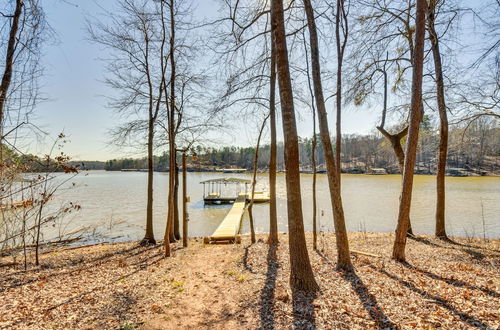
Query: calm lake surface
114, 203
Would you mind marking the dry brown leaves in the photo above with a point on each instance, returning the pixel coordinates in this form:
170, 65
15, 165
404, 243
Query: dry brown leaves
444, 284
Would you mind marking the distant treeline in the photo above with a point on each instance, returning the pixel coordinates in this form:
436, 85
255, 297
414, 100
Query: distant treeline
476, 147
89, 165
30, 163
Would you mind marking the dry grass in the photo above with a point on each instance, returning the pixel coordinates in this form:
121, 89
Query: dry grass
444, 284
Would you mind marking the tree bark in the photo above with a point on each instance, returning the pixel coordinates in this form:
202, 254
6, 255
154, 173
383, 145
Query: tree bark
184, 202
315, 201
301, 274
344, 260
443, 120
313, 151
9, 62
340, 59
149, 236
169, 231
254, 181
273, 217
177, 234
416, 113
394, 139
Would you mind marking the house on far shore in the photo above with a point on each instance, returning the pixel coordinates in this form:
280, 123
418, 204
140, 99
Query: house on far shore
376, 171
457, 171
231, 170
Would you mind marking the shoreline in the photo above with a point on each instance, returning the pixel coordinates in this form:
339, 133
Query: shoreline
73, 244
494, 175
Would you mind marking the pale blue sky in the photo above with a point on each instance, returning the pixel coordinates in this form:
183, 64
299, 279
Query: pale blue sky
75, 88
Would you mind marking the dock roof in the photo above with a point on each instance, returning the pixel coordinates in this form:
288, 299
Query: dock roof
226, 180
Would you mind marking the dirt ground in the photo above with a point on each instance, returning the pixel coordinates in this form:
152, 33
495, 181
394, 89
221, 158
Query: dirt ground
444, 284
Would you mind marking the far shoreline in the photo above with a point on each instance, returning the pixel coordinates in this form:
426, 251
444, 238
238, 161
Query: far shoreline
282, 172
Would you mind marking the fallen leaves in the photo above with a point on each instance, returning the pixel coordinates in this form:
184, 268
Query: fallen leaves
123, 285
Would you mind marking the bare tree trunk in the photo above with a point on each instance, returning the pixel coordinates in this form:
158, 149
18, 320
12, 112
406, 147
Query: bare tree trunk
344, 260
416, 113
341, 15
313, 152
171, 127
301, 274
315, 202
177, 234
443, 118
43, 200
254, 180
273, 218
184, 202
9, 62
149, 236
394, 139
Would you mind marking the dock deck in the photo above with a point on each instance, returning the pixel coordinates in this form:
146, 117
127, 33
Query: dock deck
229, 228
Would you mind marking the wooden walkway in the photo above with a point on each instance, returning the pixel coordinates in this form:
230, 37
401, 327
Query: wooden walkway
229, 228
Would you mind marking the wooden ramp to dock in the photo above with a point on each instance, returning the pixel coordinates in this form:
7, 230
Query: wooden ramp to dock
229, 228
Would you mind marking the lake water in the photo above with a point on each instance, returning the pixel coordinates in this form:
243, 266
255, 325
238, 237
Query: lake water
115, 202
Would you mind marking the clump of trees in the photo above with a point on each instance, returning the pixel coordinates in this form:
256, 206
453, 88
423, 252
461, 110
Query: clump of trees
474, 148
158, 90
392, 48
398, 42
270, 60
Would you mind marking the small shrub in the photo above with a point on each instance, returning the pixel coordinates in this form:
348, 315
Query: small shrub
178, 286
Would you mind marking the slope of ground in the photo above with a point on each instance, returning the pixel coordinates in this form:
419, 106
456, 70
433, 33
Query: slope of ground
246, 286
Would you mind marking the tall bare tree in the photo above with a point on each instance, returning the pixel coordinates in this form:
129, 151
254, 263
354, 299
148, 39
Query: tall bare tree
443, 120
169, 230
395, 139
185, 97
344, 260
136, 37
273, 218
384, 43
416, 113
301, 274
313, 150
254, 179
9, 59
341, 35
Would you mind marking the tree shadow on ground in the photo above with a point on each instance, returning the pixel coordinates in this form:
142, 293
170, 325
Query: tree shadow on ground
245, 259
13, 280
454, 245
213, 320
303, 310
454, 282
144, 264
475, 254
369, 301
267, 293
76, 261
469, 319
